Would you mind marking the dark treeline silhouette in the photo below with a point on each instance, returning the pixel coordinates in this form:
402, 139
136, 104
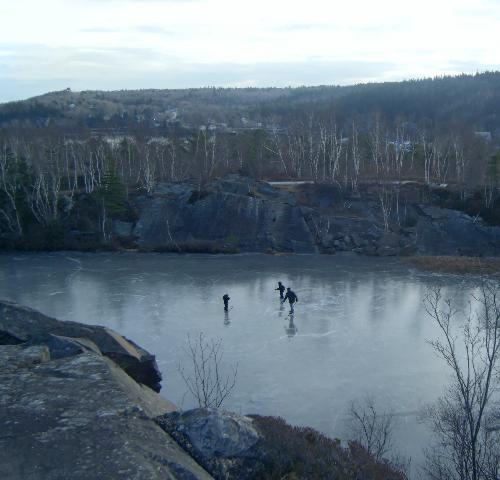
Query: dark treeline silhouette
460, 101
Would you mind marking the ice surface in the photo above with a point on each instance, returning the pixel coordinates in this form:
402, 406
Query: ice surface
359, 327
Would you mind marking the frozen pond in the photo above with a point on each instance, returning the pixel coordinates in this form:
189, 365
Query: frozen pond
359, 327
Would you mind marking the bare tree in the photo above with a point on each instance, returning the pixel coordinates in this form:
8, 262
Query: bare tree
205, 380
172, 152
323, 150
491, 181
460, 165
296, 152
467, 447
385, 198
44, 196
209, 139
312, 151
370, 428
9, 186
148, 171
441, 153
375, 144
355, 156
336, 151
428, 156
277, 150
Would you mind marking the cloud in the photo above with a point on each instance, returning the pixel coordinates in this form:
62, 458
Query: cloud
461, 66
163, 43
144, 29
294, 27
38, 69
153, 29
143, 1
137, 1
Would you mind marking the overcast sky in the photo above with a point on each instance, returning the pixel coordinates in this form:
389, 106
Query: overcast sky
116, 44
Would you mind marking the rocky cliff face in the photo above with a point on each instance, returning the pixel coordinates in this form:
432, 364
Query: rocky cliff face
240, 214
403, 219
236, 213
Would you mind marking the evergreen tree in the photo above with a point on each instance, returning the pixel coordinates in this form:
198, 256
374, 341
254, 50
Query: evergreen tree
113, 193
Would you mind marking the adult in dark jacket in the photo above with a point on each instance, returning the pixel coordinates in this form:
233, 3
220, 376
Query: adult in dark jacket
291, 297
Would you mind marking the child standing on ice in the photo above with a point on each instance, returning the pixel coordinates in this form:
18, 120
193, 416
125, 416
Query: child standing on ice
226, 299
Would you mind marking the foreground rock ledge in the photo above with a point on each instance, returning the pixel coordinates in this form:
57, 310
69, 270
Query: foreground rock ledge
21, 324
68, 411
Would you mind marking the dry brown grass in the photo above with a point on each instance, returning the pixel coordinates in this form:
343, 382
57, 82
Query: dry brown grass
459, 265
301, 453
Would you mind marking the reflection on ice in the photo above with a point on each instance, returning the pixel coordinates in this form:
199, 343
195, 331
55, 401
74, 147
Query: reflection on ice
291, 329
282, 308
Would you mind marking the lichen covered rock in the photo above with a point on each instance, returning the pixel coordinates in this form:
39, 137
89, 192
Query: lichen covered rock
81, 417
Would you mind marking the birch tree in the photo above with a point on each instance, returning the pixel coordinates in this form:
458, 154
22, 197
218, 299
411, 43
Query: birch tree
11, 188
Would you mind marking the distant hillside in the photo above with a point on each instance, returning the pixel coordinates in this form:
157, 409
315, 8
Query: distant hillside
91, 153
465, 101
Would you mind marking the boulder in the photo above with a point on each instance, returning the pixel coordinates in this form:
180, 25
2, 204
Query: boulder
21, 324
226, 444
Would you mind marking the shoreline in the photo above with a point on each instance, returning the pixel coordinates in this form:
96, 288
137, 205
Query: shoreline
455, 264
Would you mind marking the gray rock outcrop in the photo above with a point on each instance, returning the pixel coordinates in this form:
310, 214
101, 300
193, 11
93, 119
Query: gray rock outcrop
235, 212
21, 324
68, 411
81, 417
240, 214
355, 222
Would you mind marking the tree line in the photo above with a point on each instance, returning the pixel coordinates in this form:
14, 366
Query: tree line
36, 172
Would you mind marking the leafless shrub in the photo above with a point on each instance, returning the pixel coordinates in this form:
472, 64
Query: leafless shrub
205, 379
371, 428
